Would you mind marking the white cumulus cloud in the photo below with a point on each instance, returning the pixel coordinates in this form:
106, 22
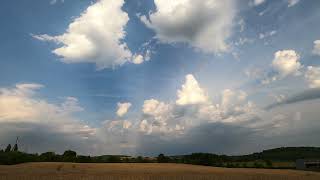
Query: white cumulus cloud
117, 125
154, 107
21, 105
191, 92
96, 36
123, 108
205, 24
312, 76
286, 62
137, 59
145, 127
192, 108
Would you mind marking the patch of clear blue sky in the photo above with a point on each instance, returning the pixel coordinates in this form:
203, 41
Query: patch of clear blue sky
24, 59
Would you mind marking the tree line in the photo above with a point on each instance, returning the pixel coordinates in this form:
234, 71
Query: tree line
16, 157
263, 159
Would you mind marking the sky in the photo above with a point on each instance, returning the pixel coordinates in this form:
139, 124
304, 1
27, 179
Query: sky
144, 77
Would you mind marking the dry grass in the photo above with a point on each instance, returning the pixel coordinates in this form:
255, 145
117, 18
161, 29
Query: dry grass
72, 171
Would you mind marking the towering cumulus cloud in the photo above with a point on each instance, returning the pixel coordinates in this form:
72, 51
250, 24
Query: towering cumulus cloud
94, 37
205, 24
191, 92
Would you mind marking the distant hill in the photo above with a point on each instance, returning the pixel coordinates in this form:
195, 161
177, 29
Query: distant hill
264, 159
283, 154
286, 154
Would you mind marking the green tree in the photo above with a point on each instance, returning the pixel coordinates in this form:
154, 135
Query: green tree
48, 156
257, 165
69, 156
244, 165
230, 165
15, 147
114, 159
83, 159
268, 163
8, 148
162, 158
139, 159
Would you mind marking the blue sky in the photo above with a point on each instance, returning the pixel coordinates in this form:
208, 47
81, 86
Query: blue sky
110, 77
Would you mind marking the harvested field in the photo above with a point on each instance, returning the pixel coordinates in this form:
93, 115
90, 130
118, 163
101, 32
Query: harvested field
114, 171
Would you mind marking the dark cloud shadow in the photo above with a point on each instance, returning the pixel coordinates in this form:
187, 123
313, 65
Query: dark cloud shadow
310, 94
34, 137
210, 137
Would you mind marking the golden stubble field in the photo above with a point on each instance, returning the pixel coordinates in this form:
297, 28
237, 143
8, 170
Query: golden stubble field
115, 171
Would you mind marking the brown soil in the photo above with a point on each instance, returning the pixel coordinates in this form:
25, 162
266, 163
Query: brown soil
136, 171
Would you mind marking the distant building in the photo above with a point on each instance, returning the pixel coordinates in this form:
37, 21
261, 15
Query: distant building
308, 164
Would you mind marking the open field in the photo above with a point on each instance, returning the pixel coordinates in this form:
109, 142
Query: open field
135, 171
